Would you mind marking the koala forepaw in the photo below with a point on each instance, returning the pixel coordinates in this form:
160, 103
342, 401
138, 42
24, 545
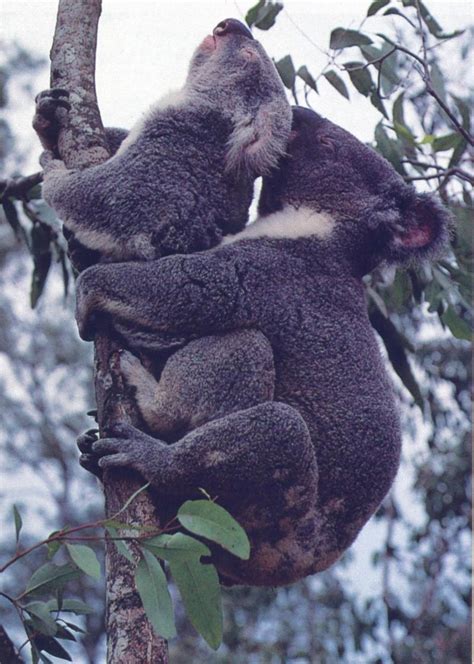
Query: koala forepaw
88, 459
47, 121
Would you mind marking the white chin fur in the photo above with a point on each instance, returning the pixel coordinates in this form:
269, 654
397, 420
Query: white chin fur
288, 223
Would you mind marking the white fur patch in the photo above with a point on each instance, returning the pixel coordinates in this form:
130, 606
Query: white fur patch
137, 247
288, 223
173, 98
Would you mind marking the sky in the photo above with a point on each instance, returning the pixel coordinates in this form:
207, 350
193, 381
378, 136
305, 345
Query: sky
144, 47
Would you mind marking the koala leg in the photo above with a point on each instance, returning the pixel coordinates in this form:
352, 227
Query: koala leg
260, 465
207, 379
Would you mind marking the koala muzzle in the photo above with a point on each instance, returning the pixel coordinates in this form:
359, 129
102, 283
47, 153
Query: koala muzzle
231, 25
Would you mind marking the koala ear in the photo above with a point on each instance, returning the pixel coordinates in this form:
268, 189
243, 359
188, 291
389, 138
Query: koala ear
259, 139
421, 229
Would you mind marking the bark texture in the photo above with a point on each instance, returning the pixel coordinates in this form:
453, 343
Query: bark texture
82, 143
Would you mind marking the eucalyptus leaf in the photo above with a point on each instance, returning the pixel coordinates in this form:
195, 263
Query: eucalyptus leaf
176, 547
76, 606
446, 142
360, 77
44, 622
199, 588
286, 69
120, 545
213, 522
51, 576
336, 82
376, 6
85, 558
151, 584
342, 38
307, 77
18, 522
457, 325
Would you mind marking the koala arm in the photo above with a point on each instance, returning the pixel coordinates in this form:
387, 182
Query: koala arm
157, 303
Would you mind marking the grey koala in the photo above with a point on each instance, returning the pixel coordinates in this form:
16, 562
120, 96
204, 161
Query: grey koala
303, 470
184, 174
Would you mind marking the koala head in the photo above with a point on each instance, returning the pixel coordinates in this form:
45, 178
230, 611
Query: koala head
377, 216
231, 72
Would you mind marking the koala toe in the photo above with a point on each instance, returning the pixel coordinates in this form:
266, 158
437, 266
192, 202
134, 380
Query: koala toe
89, 463
106, 446
115, 461
124, 430
86, 440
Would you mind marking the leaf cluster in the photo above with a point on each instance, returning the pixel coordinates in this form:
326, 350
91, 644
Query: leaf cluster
41, 605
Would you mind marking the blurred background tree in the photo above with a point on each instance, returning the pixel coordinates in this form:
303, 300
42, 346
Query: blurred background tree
402, 593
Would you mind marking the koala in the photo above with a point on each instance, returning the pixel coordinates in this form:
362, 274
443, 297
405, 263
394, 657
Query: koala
184, 174
305, 468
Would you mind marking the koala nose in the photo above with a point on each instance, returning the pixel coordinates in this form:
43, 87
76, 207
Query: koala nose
231, 25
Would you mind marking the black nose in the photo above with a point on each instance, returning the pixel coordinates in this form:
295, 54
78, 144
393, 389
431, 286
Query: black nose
229, 25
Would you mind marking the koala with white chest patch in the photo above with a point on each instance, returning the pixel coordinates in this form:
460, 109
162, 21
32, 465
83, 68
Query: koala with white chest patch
184, 175
304, 469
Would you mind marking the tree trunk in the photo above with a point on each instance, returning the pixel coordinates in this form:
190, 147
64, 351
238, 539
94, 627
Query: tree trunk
130, 637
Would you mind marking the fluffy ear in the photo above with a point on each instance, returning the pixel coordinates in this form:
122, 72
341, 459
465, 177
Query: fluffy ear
259, 139
422, 228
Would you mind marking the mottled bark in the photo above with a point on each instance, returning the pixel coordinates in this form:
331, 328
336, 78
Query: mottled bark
82, 143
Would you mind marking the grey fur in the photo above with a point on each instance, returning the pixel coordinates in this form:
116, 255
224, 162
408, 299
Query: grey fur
304, 471
184, 175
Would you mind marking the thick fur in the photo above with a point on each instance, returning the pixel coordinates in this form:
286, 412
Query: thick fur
184, 175
305, 468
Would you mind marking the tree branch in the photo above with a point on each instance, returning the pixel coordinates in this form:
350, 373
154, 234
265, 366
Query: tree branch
83, 143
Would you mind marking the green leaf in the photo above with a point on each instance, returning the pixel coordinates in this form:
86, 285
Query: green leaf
360, 77
150, 581
378, 103
11, 215
70, 605
42, 257
18, 522
458, 152
336, 82
52, 647
51, 576
395, 344
446, 142
437, 80
388, 148
376, 6
397, 110
457, 325
85, 558
342, 38
286, 69
202, 517
306, 76
53, 548
176, 547
253, 12
199, 587
404, 134
263, 15
65, 634
41, 618
120, 545
464, 110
